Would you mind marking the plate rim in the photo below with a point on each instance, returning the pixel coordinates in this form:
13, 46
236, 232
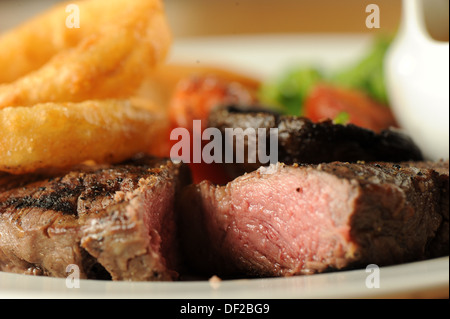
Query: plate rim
434, 277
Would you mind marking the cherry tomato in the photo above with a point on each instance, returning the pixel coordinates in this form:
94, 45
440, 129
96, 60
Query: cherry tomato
193, 99
195, 96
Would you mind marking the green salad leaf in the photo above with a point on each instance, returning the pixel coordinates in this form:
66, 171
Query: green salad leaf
342, 118
289, 92
367, 75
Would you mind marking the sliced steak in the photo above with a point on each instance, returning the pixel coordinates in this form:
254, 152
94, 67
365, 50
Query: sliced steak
111, 221
303, 219
302, 141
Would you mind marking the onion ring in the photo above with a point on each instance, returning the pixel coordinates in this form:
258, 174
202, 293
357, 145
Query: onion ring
36, 41
53, 135
108, 64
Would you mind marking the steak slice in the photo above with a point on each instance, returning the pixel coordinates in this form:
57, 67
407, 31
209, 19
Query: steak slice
300, 141
113, 222
303, 219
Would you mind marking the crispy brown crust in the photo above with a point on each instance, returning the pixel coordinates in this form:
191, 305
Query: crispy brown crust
302, 141
116, 222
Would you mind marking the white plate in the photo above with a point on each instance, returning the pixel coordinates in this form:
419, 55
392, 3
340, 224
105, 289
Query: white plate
264, 56
425, 279
268, 56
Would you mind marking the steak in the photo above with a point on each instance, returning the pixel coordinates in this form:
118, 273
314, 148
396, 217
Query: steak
113, 222
285, 220
301, 141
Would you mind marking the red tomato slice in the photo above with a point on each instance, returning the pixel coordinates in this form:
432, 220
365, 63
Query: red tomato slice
326, 102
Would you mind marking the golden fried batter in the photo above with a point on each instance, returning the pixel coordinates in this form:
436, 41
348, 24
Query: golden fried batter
107, 64
61, 135
29, 46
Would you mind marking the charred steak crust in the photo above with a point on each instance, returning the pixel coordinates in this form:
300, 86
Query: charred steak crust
402, 210
112, 221
304, 219
302, 141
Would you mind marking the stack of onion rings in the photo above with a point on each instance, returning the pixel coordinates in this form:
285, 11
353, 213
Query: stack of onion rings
72, 101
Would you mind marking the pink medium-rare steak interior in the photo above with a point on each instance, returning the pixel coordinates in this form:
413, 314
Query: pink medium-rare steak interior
137, 235
278, 221
287, 220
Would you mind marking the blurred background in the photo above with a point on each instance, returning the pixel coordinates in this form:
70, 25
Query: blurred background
205, 17
194, 18
227, 17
